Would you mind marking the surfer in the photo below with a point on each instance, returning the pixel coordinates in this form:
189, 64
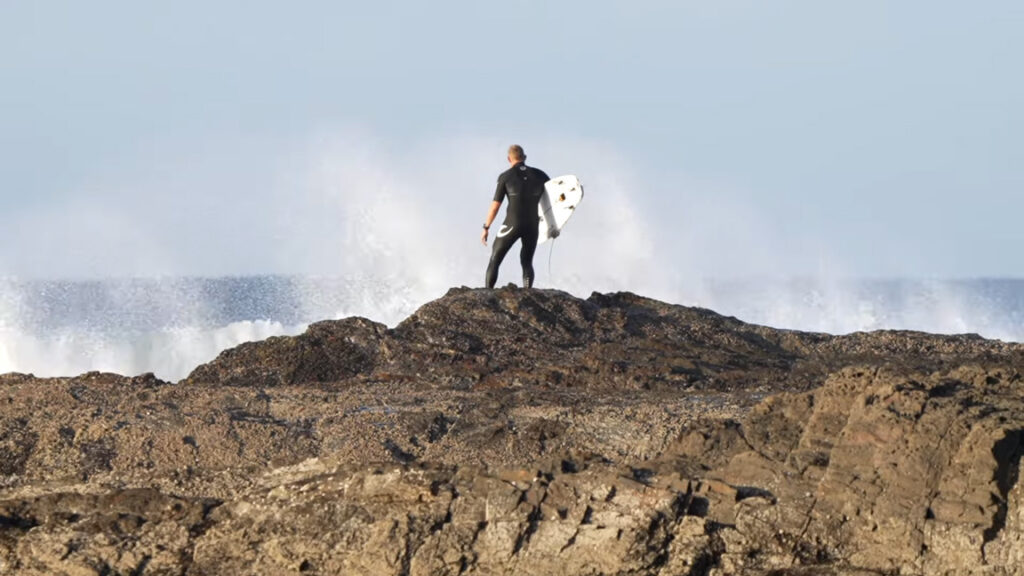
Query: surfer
523, 186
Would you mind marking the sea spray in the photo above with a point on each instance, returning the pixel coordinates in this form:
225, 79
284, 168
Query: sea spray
169, 268
169, 326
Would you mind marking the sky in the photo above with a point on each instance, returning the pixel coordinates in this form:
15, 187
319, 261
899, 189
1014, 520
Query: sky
733, 138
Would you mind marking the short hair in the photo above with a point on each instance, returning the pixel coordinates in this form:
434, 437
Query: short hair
515, 152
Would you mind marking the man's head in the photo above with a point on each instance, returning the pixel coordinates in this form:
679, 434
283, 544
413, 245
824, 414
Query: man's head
516, 154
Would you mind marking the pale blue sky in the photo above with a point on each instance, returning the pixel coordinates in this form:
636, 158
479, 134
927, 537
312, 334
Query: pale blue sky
870, 138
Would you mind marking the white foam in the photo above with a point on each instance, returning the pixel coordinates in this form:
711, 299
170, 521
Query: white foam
174, 350
171, 354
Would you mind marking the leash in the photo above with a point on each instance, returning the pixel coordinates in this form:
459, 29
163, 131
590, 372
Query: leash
550, 252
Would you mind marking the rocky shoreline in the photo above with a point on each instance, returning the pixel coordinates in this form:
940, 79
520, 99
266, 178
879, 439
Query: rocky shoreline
528, 432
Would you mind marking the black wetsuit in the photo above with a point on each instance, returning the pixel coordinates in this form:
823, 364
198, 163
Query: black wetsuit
523, 186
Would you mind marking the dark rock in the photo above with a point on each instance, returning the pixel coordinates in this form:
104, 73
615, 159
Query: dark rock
328, 351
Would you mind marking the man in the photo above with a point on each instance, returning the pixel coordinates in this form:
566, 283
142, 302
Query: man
523, 186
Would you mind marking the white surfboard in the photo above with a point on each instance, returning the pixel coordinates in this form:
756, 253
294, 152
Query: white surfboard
557, 204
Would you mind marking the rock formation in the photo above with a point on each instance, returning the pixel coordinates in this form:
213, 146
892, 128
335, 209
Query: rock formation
528, 432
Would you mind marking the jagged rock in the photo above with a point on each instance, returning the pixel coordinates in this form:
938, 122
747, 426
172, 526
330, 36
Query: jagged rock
503, 337
132, 531
882, 472
427, 520
528, 432
328, 351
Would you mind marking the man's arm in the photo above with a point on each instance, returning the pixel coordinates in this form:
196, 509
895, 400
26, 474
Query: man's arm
499, 195
492, 212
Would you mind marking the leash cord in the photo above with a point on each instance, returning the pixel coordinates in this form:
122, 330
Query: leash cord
550, 252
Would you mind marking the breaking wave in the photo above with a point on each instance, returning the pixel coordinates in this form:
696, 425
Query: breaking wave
173, 270
169, 326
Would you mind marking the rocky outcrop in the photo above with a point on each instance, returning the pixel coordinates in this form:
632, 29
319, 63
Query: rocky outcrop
326, 352
885, 472
496, 338
528, 432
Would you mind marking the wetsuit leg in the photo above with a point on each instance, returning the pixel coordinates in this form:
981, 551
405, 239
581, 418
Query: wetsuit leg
502, 244
526, 256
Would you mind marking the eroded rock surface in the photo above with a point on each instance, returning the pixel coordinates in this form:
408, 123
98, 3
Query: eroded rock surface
528, 432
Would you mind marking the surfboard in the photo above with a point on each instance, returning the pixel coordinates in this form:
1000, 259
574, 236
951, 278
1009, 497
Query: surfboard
557, 205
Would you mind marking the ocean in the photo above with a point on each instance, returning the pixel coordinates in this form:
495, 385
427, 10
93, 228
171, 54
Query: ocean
169, 326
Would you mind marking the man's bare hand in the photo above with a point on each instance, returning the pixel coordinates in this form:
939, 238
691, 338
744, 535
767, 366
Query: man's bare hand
483, 237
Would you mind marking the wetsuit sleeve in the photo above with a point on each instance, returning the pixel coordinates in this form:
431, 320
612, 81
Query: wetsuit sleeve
499, 194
